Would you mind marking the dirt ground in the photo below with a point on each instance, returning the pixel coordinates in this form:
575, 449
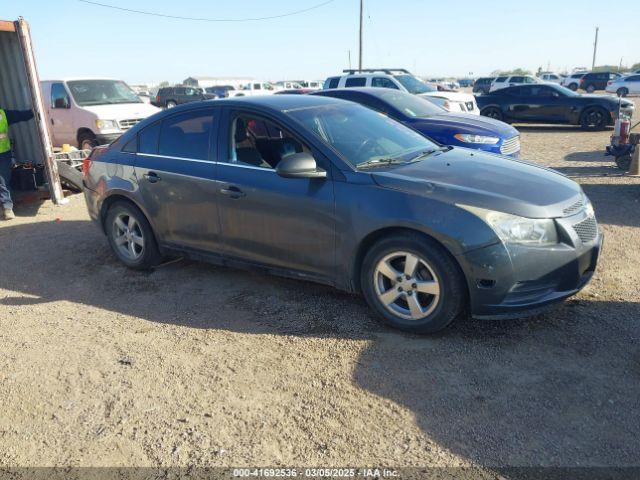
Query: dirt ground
204, 366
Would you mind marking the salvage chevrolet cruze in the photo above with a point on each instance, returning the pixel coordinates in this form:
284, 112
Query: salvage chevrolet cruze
322, 189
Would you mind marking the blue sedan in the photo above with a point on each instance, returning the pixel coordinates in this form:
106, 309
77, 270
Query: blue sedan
456, 129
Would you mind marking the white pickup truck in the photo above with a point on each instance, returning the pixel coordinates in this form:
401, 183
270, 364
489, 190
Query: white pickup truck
90, 112
254, 89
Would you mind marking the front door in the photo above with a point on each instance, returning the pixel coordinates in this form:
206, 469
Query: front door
61, 116
286, 223
175, 173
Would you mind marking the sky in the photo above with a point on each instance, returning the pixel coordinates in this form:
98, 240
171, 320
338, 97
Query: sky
433, 38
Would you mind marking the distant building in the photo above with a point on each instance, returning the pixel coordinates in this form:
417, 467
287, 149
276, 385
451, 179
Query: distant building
204, 82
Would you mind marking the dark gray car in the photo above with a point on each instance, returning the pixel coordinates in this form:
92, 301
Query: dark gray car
321, 189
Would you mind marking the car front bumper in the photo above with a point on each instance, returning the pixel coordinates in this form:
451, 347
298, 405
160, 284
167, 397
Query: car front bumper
512, 281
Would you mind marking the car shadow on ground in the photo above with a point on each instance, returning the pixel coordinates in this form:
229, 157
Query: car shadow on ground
559, 389
602, 194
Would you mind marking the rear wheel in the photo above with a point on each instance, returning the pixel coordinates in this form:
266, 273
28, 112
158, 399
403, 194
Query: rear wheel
492, 112
131, 237
413, 283
594, 118
623, 92
87, 140
573, 86
591, 89
171, 104
624, 162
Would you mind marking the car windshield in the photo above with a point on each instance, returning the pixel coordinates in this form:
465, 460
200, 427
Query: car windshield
362, 136
410, 105
413, 85
101, 92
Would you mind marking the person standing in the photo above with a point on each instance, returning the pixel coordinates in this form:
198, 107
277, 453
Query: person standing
8, 117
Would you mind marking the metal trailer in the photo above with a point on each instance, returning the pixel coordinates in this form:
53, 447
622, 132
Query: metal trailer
20, 90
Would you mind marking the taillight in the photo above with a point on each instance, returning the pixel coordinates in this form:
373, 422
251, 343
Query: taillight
609, 82
157, 98
86, 165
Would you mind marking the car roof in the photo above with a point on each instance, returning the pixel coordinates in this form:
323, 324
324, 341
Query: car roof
281, 103
371, 91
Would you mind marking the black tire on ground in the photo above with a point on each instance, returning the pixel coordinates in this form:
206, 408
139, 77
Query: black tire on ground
150, 254
492, 112
452, 299
87, 140
623, 92
594, 118
591, 89
171, 104
573, 86
624, 162
70, 177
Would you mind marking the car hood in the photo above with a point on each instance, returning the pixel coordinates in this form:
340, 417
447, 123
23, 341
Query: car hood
455, 96
464, 123
122, 111
484, 180
611, 98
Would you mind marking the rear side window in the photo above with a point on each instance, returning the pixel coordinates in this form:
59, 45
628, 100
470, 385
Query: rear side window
186, 135
356, 82
383, 82
501, 79
331, 82
517, 79
148, 139
633, 78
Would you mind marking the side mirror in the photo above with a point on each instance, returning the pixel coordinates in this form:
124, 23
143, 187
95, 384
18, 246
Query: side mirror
61, 103
299, 165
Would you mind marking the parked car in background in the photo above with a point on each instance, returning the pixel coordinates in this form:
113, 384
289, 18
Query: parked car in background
465, 82
169, 97
296, 91
511, 81
550, 77
220, 91
551, 103
572, 81
597, 80
624, 86
456, 129
433, 232
403, 80
287, 85
482, 84
254, 89
92, 111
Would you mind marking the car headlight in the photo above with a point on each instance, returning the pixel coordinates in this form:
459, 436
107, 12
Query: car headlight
106, 124
482, 139
518, 230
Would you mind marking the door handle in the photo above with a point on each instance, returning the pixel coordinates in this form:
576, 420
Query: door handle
152, 177
233, 192
51, 121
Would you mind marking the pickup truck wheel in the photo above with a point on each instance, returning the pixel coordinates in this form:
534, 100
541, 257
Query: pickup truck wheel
591, 89
573, 86
87, 140
594, 118
624, 162
623, 92
492, 112
171, 104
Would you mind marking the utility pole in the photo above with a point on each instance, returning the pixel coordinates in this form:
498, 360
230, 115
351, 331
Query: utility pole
595, 48
360, 47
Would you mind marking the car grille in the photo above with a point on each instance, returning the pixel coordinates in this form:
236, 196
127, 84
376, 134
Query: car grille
128, 123
575, 208
510, 146
587, 229
469, 106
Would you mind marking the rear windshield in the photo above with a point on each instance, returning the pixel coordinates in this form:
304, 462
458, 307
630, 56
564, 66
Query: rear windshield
410, 105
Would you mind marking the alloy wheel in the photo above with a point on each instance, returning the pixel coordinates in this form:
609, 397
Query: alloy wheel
128, 236
406, 285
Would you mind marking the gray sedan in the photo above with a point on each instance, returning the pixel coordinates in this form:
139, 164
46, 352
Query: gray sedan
320, 189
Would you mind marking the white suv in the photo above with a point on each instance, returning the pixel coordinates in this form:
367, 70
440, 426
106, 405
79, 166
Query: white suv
550, 77
511, 81
401, 79
573, 81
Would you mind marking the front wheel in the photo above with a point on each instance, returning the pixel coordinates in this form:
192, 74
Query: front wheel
413, 283
492, 112
591, 89
131, 237
594, 118
624, 162
622, 92
171, 104
573, 86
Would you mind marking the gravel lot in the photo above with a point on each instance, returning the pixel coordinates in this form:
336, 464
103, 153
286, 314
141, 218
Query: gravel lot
198, 365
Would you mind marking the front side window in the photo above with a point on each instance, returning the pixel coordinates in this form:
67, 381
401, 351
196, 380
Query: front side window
362, 136
413, 85
355, 82
258, 142
257, 86
517, 80
382, 82
101, 92
59, 96
186, 135
501, 79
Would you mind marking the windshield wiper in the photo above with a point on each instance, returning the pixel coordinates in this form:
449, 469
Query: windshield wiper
380, 162
426, 153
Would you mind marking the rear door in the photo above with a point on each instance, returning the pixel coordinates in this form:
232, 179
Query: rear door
174, 167
633, 83
286, 223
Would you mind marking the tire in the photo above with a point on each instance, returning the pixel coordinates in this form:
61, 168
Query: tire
171, 104
622, 92
590, 89
141, 254
594, 118
573, 86
624, 162
70, 177
87, 141
436, 273
493, 112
